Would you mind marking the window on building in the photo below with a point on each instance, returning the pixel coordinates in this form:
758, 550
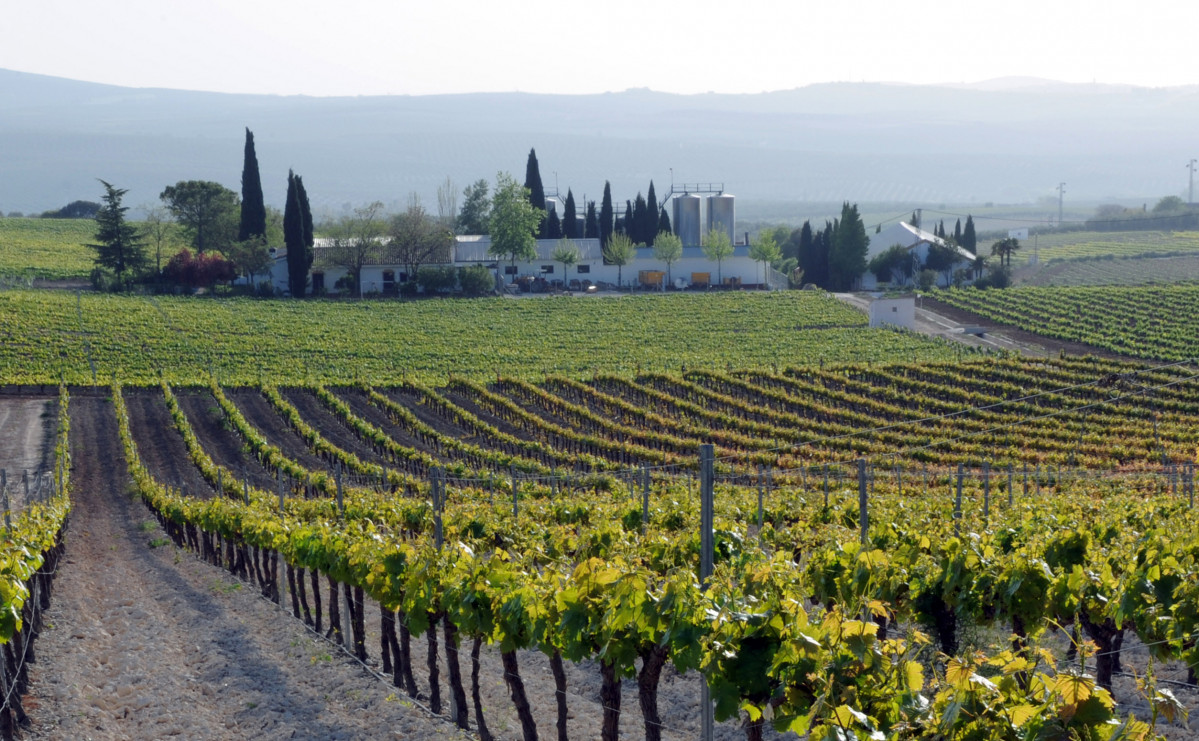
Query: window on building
509, 270
584, 268
389, 281
318, 282
547, 269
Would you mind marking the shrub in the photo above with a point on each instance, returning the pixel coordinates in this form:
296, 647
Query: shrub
476, 280
433, 279
200, 271
926, 279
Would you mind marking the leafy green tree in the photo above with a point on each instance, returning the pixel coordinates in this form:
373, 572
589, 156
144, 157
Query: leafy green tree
356, 240
942, 257
619, 252
765, 250
969, 238
419, 238
717, 247
1169, 205
570, 217
567, 253
514, 221
119, 246
447, 204
894, 265
535, 189
253, 210
73, 210
207, 211
250, 256
847, 258
475, 217
158, 229
668, 248
606, 216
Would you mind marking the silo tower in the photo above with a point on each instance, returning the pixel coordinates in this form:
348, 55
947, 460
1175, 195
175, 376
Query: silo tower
721, 214
686, 219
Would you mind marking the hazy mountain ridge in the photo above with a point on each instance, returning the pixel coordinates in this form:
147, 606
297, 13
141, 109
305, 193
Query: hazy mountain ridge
1004, 141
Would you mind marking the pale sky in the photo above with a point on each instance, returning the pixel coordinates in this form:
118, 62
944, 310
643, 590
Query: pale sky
363, 47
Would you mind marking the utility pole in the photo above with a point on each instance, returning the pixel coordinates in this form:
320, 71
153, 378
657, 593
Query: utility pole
1061, 191
1191, 188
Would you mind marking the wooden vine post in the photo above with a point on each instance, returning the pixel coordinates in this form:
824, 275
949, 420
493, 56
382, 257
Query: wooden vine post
707, 464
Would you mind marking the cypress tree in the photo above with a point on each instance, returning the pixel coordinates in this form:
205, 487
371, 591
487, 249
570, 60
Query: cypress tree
649, 226
536, 191
640, 233
253, 209
570, 224
306, 213
969, 239
664, 222
591, 224
606, 216
847, 258
626, 222
553, 230
293, 240
957, 232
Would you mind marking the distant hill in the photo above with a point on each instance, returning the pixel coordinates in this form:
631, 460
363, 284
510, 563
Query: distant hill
1009, 140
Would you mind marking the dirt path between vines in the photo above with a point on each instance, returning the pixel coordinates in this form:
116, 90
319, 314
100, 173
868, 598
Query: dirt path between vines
143, 642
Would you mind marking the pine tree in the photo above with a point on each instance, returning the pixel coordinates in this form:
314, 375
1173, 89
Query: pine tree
535, 189
591, 224
253, 210
293, 239
649, 224
664, 222
570, 224
969, 239
119, 245
606, 216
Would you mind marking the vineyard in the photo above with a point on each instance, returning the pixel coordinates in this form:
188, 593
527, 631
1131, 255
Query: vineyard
1090, 245
976, 549
46, 248
50, 337
1130, 271
1155, 323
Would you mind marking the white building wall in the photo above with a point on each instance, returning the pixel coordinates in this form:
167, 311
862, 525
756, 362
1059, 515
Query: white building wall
897, 312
